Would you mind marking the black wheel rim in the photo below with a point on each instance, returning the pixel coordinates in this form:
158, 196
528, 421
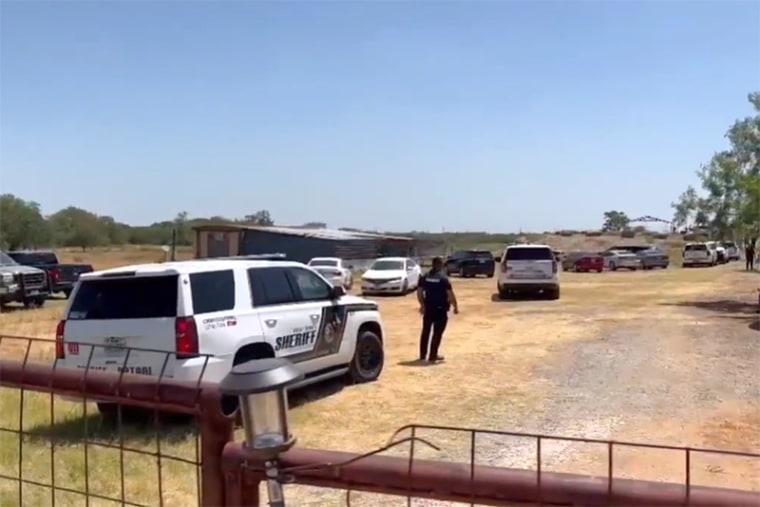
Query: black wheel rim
369, 358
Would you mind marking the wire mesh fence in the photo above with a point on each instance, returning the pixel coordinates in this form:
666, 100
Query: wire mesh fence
94, 446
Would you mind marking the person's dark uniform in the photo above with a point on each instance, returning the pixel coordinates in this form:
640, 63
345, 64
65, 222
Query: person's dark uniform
749, 253
434, 293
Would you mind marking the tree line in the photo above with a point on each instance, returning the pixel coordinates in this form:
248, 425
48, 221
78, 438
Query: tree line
22, 225
727, 202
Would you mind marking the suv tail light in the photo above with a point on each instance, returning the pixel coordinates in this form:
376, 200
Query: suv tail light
554, 266
59, 330
54, 275
186, 338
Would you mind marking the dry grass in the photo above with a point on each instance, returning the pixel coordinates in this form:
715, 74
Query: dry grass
500, 341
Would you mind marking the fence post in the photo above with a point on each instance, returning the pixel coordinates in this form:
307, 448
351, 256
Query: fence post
241, 484
216, 431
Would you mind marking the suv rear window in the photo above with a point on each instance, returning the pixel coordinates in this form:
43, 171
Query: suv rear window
529, 254
479, 254
695, 248
140, 297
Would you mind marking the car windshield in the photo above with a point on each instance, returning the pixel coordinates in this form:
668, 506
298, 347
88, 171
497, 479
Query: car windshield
5, 260
387, 265
694, 248
728, 244
323, 262
325, 269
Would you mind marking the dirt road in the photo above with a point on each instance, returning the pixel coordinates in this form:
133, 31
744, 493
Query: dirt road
666, 357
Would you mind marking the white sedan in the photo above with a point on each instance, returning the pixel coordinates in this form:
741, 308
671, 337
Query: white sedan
391, 275
335, 270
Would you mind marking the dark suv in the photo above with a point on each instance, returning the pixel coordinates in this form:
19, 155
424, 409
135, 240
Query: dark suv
466, 263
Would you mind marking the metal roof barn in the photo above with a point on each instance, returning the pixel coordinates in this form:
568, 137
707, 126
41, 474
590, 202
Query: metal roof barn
222, 240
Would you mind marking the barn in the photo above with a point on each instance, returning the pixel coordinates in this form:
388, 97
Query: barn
299, 244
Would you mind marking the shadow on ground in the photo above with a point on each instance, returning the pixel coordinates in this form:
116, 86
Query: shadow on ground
143, 426
134, 426
730, 308
726, 306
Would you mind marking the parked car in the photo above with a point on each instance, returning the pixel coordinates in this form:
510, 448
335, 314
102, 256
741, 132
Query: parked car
651, 256
202, 317
335, 270
468, 263
21, 284
621, 259
732, 250
391, 275
528, 268
583, 262
698, 254
60, 277
720, 251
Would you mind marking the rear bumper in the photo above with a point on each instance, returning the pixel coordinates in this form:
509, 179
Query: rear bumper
192, 371
697, 262
475, 269
528, 286
62, 286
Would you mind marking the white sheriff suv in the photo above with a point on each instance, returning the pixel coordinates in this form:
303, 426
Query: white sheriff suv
528, 268
188, 319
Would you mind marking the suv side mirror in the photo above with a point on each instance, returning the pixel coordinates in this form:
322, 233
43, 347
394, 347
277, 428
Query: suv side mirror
337, 292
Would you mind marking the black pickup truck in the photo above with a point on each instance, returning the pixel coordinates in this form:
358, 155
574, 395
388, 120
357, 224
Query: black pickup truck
61, 277
468, 263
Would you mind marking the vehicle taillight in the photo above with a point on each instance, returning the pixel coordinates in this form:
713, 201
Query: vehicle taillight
554, 266
186, 337
504, 266
59, 330
54, 275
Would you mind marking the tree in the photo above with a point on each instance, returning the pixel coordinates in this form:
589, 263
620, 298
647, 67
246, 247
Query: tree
615, 221
77, 227
21, 224
183, 228
261, 217
729, 201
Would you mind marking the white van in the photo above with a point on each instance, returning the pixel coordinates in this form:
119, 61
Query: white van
528, 268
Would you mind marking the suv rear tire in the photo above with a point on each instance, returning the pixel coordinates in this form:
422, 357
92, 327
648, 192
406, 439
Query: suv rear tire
553, 294
368, 360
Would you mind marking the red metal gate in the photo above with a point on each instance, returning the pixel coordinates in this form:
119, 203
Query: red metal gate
226, 477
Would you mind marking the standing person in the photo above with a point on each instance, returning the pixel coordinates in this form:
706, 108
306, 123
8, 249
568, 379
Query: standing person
435, 296
749, 255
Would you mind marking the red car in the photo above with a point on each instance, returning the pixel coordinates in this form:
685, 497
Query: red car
583, 262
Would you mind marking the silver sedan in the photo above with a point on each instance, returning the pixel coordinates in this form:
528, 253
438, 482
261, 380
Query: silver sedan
618, 259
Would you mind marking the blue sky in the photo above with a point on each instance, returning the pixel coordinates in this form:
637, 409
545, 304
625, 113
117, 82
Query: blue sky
389, 115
